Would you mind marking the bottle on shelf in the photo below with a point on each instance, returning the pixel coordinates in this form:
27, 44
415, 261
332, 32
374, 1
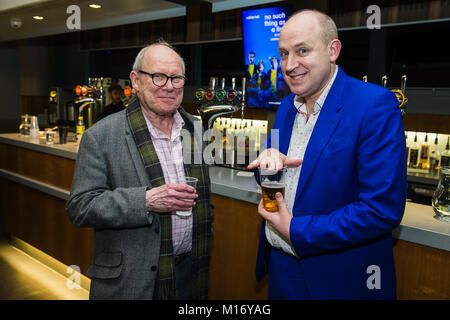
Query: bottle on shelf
445, 155
240, 144
414, 154
80, 126
424, 154
434, 155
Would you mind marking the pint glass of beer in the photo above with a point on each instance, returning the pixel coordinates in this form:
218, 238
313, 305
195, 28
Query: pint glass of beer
272, 181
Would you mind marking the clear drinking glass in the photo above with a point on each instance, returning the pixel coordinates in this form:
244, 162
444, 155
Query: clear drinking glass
191, 181
272, 181
441, 197
49, 137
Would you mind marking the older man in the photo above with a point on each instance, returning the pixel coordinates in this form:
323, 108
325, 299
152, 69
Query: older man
344, 142
152, 231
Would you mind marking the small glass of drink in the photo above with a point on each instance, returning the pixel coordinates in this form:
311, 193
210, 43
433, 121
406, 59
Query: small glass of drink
191, 181
271, 181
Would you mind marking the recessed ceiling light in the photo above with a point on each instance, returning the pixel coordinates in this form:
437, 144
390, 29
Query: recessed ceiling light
38, 17
95, 6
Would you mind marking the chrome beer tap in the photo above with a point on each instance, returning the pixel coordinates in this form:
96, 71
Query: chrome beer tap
243, 97
401, 95
216, 103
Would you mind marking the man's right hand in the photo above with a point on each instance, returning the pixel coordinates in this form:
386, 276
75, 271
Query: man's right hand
273, 159
170, 197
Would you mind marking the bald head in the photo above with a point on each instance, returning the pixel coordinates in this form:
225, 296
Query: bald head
326, 25
159, 45
308, 48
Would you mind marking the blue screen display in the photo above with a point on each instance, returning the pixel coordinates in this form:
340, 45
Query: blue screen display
261, 30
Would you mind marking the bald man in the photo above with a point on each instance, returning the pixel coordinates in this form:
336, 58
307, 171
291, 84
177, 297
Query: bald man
153, 232
344, 145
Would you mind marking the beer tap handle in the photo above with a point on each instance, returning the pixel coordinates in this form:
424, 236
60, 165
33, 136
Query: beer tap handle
212, 83
403, 84
384, 81
210, 93
221, 93
233, 83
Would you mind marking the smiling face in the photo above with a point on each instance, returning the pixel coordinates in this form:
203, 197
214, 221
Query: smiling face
307, 62
162, 101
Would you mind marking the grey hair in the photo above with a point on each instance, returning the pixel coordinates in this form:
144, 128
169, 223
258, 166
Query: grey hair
160, 42
328, 28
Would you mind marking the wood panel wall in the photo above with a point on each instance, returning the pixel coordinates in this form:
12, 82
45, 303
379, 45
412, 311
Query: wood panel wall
53, 170
33, 104
422, 272
36, 217
41, 220
233, 257
427, 122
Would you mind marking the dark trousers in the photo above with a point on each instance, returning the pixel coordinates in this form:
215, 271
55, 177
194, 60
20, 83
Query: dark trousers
182, 277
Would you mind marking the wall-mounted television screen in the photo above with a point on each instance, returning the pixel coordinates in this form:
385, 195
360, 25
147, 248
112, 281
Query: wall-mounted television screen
261, 30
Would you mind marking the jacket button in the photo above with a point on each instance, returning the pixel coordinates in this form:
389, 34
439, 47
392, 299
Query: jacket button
153, 268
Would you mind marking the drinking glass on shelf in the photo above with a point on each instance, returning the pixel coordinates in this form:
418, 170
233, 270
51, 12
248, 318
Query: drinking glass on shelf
441, 197
49, 137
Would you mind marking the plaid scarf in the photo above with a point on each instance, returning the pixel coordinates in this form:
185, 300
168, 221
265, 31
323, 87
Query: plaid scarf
202, 212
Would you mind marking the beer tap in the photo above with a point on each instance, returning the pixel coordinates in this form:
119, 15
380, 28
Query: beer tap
401, 95
243, 97
221, 93
213, 103
86, 101
232, 93
384, 81
403, 84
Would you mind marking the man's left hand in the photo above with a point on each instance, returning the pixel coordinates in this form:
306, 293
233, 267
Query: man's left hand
280, 220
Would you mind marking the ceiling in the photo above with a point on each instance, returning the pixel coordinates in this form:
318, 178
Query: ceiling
112, 12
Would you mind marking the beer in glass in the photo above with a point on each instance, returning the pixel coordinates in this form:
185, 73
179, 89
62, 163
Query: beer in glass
272, 181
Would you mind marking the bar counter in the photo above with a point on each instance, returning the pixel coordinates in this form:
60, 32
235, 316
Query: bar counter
35, 180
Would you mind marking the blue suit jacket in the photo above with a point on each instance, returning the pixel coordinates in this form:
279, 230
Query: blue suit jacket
351, 194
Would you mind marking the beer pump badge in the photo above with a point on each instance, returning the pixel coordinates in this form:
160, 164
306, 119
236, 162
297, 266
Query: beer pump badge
231, 94
200, 94
220, 94
210, 94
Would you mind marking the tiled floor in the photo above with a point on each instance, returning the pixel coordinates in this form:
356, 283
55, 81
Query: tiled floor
24, 278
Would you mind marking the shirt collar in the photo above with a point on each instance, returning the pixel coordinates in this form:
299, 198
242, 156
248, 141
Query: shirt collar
177, 125
301, 106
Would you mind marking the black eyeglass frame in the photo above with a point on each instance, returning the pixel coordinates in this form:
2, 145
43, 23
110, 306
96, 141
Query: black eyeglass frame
167, 78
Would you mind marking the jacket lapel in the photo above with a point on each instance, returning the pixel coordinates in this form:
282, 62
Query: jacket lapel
286, 128
134, 152
324, 128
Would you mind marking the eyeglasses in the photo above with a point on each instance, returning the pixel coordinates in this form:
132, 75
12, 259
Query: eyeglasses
160, 79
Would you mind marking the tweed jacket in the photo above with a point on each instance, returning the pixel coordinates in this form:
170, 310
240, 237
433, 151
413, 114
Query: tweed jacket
108, 194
